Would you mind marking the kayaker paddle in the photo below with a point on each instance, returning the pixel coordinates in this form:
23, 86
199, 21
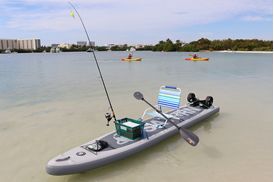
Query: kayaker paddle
190, 137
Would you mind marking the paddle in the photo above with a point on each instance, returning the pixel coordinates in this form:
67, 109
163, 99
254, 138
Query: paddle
190, 137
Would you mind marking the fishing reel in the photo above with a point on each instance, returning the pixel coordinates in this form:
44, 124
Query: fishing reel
109, 117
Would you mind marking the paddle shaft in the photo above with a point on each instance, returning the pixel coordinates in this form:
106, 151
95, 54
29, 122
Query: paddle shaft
188, 136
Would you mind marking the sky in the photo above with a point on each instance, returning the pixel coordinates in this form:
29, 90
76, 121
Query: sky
136, 21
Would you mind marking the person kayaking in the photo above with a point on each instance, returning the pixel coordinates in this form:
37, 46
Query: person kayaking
194, 56
129, 56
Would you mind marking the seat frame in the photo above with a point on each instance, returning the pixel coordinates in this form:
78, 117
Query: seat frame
161, 106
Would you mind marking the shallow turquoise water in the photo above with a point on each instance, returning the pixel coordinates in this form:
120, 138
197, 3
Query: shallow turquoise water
50, 103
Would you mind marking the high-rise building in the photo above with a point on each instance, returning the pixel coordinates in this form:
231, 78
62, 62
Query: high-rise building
81, 43
8, 44
30, 44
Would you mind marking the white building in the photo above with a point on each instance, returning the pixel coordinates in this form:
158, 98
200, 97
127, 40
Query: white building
109, 46
138, 46
65, 45
30, 44
8, 44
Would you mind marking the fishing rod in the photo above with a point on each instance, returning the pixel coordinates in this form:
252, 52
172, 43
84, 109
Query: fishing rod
107, 115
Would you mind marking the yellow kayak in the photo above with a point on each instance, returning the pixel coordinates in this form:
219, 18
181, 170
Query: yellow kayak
197, 59
131, 59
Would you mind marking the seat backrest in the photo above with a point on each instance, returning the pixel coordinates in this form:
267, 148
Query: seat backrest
169, 97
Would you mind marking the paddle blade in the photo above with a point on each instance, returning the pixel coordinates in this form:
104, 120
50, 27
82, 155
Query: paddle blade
190, 137
138, 96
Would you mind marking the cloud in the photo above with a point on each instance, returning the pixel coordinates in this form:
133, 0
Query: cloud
121, 17
138, 14
254, 18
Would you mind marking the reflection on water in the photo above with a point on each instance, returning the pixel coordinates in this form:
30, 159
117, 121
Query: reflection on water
212, 151
50, 103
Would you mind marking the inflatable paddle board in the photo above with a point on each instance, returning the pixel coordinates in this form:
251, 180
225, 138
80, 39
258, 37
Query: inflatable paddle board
114, 147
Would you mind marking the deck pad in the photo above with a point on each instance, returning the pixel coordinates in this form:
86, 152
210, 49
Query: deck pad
152, 127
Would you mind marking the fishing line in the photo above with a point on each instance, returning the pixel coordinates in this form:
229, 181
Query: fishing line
95, 58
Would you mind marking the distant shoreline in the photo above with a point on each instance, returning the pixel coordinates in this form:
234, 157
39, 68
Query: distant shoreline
254, 52
201, 45
223, 51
